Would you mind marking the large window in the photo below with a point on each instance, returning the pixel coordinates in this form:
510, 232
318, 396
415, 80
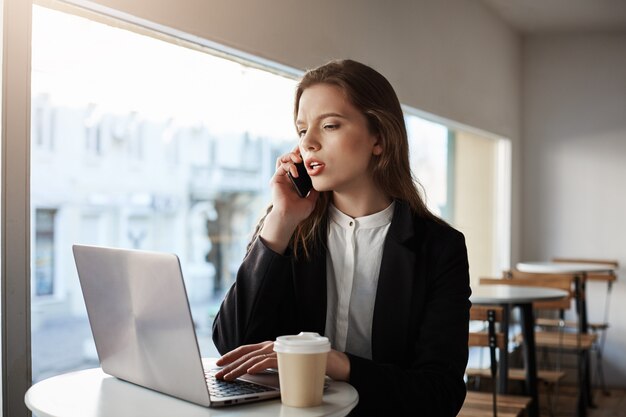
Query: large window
142, 143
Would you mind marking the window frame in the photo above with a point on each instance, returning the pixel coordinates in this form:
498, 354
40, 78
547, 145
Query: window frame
15, 211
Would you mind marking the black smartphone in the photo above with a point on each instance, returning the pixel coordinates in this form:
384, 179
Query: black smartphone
303, 183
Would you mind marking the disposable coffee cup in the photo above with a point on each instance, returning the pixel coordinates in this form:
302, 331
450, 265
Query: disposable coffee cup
302, 368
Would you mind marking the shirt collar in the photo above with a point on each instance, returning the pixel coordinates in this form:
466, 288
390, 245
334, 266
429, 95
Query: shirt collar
382, 218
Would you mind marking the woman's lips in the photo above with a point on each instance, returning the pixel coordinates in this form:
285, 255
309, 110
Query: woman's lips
314, 167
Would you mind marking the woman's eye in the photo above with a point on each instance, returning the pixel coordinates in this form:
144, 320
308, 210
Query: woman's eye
331, 126
301, 132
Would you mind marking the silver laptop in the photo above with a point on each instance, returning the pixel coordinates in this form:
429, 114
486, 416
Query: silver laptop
143, 330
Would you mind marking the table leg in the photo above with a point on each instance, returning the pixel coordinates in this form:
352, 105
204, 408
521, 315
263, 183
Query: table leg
581, 304
584, 358
583, 401
587, 369
503, 377
529, 352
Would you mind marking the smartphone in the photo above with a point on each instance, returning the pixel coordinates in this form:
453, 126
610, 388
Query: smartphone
303, 183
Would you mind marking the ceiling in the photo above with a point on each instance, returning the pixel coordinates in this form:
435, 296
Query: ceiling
560, 16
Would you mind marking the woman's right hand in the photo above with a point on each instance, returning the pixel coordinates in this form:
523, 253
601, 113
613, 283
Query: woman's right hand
289, 209
285, 199
256, 358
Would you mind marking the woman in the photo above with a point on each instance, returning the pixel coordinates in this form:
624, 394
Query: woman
360, 259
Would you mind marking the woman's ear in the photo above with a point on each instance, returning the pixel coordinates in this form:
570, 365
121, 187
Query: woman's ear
378, 148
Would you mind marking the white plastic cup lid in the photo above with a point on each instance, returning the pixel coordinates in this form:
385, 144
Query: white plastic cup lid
305, 342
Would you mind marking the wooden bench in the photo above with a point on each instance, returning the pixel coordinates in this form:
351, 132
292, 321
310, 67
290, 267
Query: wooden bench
480, 404
518, 374
547, 322
563, 340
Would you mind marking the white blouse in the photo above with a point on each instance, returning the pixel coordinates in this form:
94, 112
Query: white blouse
355, 250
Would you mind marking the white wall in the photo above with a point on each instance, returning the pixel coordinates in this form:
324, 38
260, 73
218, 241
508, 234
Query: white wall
574, 163
455, 59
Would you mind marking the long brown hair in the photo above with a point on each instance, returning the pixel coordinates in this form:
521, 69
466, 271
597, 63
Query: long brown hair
371, 93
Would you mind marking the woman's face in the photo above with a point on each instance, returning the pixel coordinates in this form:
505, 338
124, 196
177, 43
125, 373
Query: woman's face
335, 142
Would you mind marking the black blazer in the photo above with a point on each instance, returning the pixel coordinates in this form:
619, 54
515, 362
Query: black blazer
420, 323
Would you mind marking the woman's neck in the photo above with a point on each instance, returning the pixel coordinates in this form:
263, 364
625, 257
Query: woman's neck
361, 203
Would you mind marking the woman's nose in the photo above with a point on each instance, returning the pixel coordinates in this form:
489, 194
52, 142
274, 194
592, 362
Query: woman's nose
309, 142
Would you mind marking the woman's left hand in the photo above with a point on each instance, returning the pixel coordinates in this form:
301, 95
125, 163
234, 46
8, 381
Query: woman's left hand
247, 359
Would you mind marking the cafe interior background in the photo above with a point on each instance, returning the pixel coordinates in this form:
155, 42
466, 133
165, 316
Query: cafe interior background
516, 113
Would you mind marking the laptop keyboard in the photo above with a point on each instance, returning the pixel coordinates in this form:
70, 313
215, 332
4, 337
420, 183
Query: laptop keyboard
222, 388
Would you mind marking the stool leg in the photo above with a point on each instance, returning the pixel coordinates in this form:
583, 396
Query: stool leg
600, 373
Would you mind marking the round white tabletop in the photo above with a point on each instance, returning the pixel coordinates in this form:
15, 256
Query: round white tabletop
563, 267
509, 294
91, 393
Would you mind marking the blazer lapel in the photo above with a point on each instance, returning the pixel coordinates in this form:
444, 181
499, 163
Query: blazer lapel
392, 309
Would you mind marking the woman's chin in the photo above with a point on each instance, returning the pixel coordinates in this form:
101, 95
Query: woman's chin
319, 186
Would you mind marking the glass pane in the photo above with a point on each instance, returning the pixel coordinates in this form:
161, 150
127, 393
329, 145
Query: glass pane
428, 153
140, 143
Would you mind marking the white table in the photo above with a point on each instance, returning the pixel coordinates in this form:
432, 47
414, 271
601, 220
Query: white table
522, 297
92, 393
564, 267
510, 294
